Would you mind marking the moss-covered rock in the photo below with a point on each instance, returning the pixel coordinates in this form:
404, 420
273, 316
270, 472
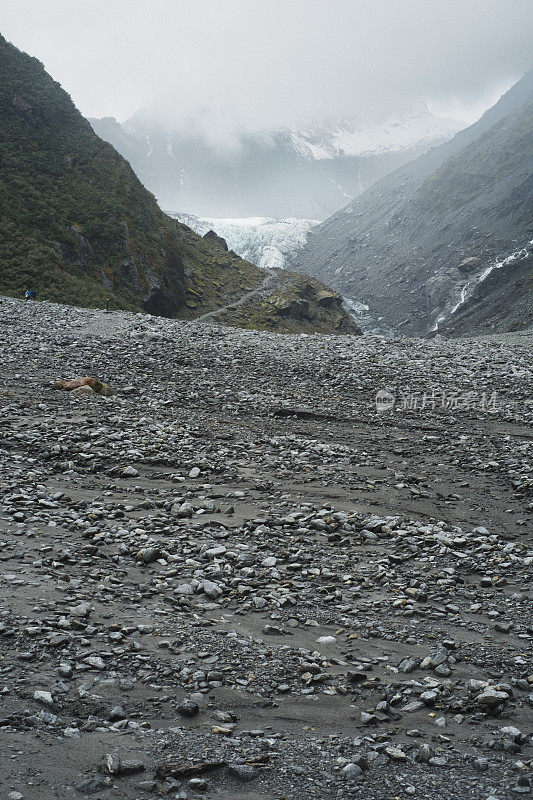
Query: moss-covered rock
293, 304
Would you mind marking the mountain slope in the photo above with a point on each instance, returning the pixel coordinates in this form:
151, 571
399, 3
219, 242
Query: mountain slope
76, 223
78, 226
399, 247
282, 173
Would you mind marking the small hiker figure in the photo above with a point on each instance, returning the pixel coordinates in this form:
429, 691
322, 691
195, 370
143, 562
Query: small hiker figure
31, 294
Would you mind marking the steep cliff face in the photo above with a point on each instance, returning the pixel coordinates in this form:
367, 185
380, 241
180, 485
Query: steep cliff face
399, 246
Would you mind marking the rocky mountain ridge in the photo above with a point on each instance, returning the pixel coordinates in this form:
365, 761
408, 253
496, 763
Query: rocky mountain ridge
390, 132
401, 246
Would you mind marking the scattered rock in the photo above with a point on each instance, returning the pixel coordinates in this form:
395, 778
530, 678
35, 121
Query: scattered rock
43, 697
274, 555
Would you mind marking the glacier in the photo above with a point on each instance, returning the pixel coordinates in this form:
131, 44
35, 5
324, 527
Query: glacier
264, 241
269, 243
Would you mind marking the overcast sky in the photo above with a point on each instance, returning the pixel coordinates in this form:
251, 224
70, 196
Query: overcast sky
273, 63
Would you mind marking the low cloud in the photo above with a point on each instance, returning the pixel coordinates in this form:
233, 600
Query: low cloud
226, 66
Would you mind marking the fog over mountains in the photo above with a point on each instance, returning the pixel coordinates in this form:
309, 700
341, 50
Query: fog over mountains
77, 226
289, 111
309, 172
423, 207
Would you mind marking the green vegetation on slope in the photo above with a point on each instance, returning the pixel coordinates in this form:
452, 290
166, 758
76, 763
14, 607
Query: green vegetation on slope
292, 304
76, 224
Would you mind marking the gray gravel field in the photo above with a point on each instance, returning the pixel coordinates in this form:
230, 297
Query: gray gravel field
235, 577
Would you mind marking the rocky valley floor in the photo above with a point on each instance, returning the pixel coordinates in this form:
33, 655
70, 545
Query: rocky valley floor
235, 578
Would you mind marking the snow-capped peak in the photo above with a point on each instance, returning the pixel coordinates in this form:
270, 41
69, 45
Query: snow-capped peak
366, 137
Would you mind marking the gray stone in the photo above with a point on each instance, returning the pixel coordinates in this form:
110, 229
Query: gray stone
490, 698
243, 772
188, 708
211, 589
43, 697
352, 772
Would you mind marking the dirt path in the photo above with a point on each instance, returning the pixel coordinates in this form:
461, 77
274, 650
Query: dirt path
270, 279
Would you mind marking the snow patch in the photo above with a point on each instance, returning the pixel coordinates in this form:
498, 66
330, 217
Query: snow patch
149, 146
170, 151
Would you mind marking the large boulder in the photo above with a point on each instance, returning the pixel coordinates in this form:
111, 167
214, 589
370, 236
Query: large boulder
469, 264
297, 309
328, 299
440, 285
83, 391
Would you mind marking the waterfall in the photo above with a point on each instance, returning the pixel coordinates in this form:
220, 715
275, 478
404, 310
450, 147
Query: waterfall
524, 254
